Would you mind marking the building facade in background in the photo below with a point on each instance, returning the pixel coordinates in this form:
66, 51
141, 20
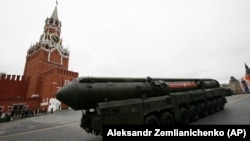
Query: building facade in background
242, 85
234, 85
45, 71
245, 81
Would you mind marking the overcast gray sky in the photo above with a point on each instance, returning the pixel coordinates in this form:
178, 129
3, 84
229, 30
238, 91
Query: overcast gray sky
135, 38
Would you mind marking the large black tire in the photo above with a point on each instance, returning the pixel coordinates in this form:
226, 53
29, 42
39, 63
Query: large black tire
151, 120
166, 118
221, 104
210, 107
194, 113
216, 105
203, 109
184, 116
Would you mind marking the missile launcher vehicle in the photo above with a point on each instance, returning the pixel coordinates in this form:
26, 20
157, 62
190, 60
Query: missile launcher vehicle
105, 100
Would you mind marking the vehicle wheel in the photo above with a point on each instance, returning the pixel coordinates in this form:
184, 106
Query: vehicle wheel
216, 105
203, 109
210, 107
184, 115
194, 113
221, 104
166, 118
151, 120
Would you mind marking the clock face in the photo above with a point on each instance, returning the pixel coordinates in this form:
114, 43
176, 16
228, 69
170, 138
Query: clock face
54, 38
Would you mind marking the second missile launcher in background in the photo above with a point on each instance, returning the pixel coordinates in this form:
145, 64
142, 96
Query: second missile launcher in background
141, 100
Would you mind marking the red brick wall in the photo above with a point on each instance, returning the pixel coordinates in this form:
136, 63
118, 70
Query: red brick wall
53, 80
65, 63
55, 57
37, 64
13, 86
32, 103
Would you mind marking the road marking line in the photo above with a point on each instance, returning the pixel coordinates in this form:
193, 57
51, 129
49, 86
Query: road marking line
238, 99
38, 130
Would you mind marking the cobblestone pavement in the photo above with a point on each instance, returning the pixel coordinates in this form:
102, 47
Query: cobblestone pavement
64, 125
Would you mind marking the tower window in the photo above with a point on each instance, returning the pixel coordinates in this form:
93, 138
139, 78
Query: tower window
26, 107
1, 109
50, 20
10, 108
57, 22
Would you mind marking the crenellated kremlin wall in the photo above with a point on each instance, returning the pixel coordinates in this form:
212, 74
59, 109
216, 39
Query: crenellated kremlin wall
13, 86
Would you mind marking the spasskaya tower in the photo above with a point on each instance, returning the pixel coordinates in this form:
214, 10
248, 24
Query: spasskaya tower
47, 62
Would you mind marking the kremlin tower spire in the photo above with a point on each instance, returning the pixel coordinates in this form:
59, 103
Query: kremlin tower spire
54, 14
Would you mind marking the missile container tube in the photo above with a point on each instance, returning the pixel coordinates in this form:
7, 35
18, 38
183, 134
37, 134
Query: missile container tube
148, 100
